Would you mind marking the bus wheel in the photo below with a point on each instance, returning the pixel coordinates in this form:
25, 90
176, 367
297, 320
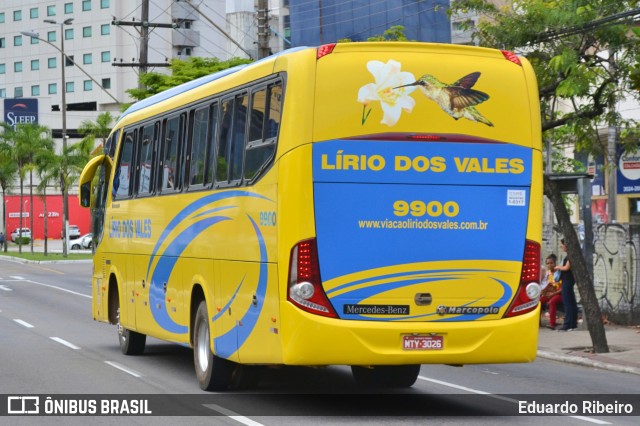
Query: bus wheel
213, 372
131, 343
386, 376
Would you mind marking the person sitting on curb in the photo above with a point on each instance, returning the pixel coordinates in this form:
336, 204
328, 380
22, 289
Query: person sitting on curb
551, 293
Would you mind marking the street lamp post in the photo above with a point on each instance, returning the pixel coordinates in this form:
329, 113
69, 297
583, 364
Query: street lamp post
63, 183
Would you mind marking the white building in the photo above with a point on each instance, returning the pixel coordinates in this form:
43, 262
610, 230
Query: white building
31, 68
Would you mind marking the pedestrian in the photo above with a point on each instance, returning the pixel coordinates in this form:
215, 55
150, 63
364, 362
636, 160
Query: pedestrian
2, 240
568, 294
551, 296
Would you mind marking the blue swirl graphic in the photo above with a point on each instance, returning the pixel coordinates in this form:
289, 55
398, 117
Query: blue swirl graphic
233, 339
168, 258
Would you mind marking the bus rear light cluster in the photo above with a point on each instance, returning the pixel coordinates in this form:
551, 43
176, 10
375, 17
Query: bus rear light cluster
512, 57
528, 293
305, 286
324, 50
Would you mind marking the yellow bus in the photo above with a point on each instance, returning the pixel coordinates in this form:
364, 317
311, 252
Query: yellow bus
374, 205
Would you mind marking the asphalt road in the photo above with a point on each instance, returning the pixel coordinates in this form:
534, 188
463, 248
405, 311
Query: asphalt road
49, 345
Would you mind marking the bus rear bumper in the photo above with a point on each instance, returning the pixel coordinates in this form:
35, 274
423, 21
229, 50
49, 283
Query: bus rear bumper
315, 340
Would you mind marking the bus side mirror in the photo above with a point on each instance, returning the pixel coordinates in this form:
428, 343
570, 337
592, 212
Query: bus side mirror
85, 194
87, 175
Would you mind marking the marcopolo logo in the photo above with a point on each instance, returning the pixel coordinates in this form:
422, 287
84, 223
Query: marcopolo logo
466, 310
20, 111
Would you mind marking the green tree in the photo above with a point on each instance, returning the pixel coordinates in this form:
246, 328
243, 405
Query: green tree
45, 165
24, 142
97, 130
584, 53
8, 171
393, 33
181, 72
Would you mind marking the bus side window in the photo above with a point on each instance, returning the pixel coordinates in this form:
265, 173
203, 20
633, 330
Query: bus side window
168, 176
224, 138
147, 150
213, 132
263, 130
239, 137
198, 153
124, 171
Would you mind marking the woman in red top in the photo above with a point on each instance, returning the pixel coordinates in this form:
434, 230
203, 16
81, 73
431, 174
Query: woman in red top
551, 293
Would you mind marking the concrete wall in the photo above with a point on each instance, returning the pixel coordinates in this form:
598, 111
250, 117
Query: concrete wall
615, 269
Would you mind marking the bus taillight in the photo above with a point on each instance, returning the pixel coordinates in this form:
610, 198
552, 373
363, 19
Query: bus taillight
528, 293
305, 287
512, 57
324, 50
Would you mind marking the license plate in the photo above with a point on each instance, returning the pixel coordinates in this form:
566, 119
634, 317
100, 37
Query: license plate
422, 343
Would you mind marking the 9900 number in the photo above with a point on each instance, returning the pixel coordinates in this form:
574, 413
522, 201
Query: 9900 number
420, 208
267, 218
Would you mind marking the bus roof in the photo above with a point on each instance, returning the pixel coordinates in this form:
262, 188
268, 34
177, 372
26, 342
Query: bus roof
174, 91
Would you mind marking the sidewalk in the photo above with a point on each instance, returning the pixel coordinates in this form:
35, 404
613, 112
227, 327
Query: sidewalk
576, 347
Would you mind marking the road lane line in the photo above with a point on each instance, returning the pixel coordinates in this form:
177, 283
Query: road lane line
5, 288
23, 323
16, 277
123, 368
64, 342
58, 288
233, 415
500, 397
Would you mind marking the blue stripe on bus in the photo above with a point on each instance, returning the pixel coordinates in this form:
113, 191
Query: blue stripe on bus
191, 208
163, 271
228, 343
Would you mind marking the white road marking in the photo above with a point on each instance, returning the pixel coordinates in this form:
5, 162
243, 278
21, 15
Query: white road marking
58, 288
500, 397
5, 288
232, 415
16, 277
23, 323
123, 368
64, 342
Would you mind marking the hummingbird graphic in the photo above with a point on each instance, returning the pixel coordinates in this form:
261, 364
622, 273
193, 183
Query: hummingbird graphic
457, 99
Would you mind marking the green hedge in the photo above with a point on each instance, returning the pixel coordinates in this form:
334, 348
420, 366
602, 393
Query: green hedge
23, 240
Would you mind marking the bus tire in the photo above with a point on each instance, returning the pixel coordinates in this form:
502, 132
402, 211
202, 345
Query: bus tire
131, 342
213, 373
386, 376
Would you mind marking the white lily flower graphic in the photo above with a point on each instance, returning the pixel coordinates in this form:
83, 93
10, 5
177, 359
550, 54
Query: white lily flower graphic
393, 99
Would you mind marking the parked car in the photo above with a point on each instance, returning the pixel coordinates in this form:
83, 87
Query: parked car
74, 244
26, 232
74, 232
86, 241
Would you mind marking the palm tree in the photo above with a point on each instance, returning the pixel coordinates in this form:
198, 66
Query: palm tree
66, 167
47, 174
98, 129
8, 170
26, 141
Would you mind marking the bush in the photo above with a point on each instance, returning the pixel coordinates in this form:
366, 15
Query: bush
23, 240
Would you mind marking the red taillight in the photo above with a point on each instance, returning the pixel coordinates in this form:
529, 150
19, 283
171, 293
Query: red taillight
325, 49
512, 57
305, 287
528, 293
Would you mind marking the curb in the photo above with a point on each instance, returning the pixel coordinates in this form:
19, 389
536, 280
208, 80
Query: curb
588, 362
25, 261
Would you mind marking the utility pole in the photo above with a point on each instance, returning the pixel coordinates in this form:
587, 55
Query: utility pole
263, 29
144, 24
